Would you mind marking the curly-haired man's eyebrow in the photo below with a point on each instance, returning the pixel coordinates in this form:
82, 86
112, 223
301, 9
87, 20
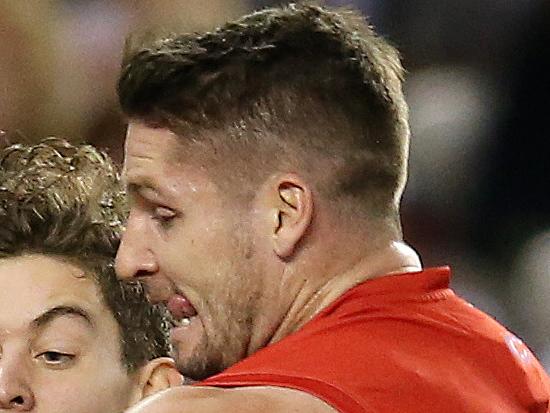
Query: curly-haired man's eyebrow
56, 312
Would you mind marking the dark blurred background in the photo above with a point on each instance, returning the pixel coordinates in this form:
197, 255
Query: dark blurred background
479, 91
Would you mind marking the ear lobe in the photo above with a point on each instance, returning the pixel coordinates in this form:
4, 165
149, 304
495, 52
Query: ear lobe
157, 375
294, 211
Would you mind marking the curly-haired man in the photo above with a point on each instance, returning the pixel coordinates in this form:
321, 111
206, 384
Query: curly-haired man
73, 339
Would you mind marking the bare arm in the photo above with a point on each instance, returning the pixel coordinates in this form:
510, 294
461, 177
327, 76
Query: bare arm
189, 399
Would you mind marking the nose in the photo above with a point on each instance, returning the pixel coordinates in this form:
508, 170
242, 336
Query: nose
134, 256
15, 391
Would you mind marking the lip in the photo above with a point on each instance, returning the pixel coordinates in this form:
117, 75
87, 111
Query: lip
160, 290
157, 289
180, 307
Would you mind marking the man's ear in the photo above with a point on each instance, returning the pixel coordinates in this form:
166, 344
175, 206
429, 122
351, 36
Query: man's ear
292, 213
158, 374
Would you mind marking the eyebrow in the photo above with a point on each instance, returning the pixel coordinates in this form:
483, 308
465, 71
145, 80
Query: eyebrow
146, 190
136, 188
59, 311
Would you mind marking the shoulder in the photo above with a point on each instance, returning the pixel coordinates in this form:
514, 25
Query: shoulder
198, 399
391, 353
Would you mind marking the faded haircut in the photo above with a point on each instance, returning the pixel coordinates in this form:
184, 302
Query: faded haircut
65, 201
300, 87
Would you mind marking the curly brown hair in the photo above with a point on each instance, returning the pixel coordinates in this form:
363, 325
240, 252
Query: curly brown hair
62, 200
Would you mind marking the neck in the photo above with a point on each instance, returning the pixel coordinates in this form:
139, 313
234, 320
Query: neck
394, 258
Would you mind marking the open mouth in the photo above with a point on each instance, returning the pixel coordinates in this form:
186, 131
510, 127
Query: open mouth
187, 333
181, 309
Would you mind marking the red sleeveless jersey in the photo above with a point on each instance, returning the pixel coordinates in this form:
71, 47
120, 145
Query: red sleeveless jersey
402, 343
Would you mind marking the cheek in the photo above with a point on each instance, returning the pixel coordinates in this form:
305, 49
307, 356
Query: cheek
81, 396
89, 388
206, 261
197, 248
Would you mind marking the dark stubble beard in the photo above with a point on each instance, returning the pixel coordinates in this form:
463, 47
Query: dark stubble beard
232, 324
229, 345
202, 364
233, 317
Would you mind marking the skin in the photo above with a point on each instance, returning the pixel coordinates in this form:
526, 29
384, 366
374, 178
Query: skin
60, 346
181, 217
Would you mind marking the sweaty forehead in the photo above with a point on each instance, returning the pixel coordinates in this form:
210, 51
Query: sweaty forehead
156, 159
147, 144
160, 146
149, 154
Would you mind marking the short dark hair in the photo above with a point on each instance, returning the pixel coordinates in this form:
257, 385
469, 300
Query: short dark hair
66, 201
300, 79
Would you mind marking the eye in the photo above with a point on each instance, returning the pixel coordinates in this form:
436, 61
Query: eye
55, 358
163, 215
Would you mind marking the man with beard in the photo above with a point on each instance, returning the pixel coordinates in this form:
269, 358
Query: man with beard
265, 163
